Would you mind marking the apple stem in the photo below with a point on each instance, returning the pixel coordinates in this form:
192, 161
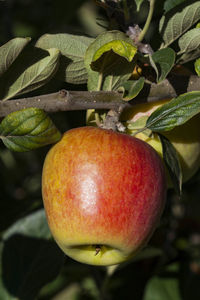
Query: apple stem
112, 120
97, 249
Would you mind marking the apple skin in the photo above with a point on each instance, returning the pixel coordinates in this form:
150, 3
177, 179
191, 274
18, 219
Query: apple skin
103, 193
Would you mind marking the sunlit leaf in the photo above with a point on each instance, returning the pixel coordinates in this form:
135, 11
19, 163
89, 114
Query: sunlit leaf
28, 129
107, 69
120, 47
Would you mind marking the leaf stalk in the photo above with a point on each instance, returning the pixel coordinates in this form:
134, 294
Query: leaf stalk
148, 21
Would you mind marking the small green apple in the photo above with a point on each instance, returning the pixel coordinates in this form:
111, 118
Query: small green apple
103, 194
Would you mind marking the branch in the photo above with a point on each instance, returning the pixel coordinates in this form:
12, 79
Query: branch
65, 101
83, 100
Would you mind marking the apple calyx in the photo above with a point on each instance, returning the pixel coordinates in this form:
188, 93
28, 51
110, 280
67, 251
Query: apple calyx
97, 249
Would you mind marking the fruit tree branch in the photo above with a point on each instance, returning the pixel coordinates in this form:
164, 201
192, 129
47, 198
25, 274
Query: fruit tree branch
65, 101
83, 100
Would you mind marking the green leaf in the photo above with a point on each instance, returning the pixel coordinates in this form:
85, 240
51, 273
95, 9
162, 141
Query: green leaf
171, 160
120, 47
138, 4
31, 71
197, 66
140, 123
132, 88
10, 51
32, 225
174, 113
189, 41
72, 47
177, 21
28, 129
186, 57
108, 59
146, 253
169, 4
164, 60
163, 288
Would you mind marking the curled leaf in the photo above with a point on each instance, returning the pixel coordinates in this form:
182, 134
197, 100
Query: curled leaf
120, 47
172, 162
109, 60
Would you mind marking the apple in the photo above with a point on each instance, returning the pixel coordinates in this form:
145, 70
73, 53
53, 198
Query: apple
185, 138
103, 193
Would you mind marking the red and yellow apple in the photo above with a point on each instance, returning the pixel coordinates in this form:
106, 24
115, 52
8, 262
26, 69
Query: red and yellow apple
103, 193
